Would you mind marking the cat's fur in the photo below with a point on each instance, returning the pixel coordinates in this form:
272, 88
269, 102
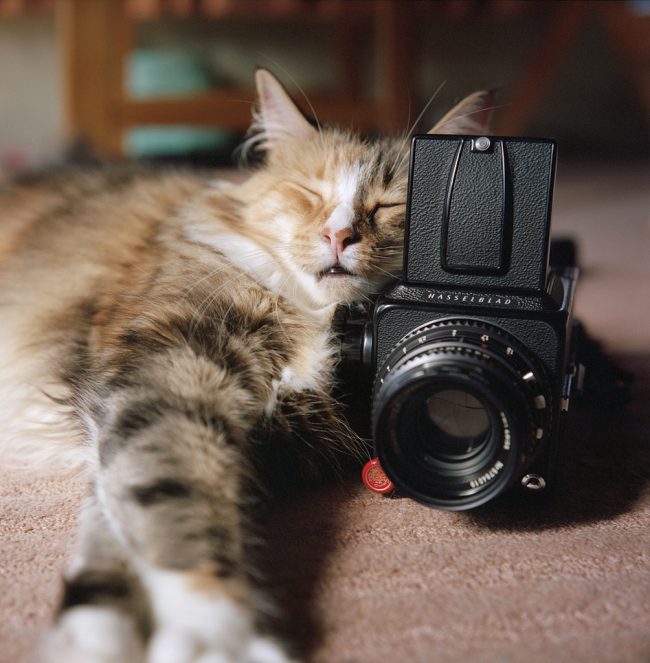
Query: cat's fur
168, 331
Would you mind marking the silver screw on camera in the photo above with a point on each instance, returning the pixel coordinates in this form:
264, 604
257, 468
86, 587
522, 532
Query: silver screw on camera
481, 144
533, 482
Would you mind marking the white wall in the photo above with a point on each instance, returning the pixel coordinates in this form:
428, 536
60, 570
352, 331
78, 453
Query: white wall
31, 122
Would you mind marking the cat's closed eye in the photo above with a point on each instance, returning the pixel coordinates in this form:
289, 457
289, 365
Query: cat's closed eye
379, 206
314, 196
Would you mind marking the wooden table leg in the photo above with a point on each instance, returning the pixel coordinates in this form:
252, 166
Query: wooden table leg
394, 58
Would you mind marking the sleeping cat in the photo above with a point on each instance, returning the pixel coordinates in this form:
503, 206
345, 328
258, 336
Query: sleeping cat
171, 333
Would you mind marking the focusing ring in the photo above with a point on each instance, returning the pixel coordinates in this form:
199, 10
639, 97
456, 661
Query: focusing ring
491, 366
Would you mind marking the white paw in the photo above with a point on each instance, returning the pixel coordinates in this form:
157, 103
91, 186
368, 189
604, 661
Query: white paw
264, 650
92, 634
176, 646
199, 624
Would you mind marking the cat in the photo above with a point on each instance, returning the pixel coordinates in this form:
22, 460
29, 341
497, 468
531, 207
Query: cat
171, 334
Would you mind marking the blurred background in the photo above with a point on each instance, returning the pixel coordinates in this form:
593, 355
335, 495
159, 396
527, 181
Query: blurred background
172, 79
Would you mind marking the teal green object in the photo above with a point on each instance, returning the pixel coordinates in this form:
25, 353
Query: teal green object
154, 74
157, 73
173, 141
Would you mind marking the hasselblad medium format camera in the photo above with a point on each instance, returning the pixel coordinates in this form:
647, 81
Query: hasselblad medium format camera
472, 353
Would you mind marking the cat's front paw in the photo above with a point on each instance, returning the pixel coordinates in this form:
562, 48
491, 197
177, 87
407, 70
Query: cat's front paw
92, 634
175, 646
197, 620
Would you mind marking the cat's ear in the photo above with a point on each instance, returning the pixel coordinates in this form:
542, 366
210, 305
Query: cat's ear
277, 117
471, 116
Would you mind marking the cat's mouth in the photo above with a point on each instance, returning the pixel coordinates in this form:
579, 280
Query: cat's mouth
334, 272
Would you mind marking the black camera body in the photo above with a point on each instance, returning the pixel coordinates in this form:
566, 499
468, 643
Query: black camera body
472, 352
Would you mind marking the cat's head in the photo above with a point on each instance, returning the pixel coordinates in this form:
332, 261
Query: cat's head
328, 204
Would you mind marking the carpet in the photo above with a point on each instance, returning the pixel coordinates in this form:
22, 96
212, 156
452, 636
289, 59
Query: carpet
362, 578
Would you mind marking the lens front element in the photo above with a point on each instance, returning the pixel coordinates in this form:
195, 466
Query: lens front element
458, 417
456, 413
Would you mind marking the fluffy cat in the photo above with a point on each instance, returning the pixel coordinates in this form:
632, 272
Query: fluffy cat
171, 333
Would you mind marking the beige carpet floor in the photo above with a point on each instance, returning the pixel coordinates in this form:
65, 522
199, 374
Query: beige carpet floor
365, 578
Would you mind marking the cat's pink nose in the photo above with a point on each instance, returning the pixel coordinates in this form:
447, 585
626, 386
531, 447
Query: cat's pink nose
339, 240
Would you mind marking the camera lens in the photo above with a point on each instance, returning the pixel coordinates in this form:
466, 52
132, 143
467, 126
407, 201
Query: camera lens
458, 409
444, 427
457, 416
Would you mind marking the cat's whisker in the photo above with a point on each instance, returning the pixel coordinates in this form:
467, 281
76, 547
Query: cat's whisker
224, 315
401, 151
207, 302
424, 110
377, 250
359, 293
383, 271
209, 275
403, 137
387, 257
276, 306
223, 286
483, 109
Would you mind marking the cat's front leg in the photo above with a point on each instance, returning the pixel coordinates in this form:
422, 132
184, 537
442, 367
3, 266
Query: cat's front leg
172, 480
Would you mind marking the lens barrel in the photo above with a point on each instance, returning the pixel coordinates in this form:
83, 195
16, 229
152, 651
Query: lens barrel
459, 412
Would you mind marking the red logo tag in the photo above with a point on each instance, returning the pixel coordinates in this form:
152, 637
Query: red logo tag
375, 479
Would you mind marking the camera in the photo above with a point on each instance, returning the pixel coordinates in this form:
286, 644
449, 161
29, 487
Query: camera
472, 353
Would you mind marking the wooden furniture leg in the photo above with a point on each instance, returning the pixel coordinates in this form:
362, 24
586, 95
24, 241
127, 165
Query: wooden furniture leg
94, 38
394, 60
565, 25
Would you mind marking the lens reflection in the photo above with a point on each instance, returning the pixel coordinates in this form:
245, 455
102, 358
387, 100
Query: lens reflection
458, 414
